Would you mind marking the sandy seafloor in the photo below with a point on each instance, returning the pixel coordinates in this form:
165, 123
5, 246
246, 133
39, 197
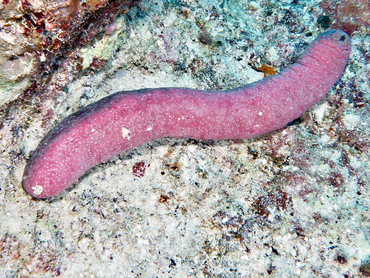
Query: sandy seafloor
292, 203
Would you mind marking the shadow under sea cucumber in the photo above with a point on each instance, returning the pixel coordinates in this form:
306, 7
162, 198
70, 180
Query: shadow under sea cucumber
125, 120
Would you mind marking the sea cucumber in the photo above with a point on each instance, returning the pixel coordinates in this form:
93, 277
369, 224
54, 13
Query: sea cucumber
125, 120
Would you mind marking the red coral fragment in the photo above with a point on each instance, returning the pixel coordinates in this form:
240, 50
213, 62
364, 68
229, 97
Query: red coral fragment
139, 169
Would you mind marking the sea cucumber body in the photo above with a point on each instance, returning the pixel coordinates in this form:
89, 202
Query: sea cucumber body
127, 119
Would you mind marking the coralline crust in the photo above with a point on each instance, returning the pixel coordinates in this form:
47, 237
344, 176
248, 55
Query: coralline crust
36, 34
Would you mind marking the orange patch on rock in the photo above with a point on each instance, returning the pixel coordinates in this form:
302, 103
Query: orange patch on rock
267, 71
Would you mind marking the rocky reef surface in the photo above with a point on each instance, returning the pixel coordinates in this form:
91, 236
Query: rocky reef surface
294, 202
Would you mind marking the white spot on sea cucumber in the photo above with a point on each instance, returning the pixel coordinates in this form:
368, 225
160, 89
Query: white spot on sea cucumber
149, 128
126, 133
92, 130
37, 190
260, 113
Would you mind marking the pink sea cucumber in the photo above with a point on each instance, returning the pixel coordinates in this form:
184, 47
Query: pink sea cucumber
125, 120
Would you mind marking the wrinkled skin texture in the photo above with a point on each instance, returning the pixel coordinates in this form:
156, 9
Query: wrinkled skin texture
127, 119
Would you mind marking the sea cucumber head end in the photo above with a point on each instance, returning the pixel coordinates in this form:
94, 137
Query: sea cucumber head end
338, 38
